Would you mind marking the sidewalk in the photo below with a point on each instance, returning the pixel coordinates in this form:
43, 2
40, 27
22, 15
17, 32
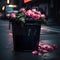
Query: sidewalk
50, 29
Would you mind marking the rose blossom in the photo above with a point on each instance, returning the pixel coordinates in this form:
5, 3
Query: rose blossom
13, 15
28, 13
23, 10
34, 10
32, 14
36, 16
39, 12
43, 16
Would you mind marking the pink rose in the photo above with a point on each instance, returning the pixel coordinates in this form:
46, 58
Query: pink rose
28, 13
22, 9
39, 12
32, 14
43, 16
34, 10
36, 16
13, 15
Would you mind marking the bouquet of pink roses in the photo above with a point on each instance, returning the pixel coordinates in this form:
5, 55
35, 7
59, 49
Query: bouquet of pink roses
27, 14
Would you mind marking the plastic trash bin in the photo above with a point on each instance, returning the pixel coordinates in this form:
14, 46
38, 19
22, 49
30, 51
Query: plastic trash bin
26, 35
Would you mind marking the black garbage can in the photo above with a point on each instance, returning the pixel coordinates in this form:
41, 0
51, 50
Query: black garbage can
26, 35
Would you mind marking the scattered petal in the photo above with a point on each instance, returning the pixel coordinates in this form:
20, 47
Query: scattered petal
35, 52
54, 46
43, 51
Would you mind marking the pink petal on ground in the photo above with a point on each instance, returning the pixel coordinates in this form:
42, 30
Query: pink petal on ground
44, 46
50, 48
54, 46
34, 52
41, 43
43, 51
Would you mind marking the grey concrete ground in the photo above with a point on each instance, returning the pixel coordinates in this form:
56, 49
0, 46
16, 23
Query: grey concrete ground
49, 34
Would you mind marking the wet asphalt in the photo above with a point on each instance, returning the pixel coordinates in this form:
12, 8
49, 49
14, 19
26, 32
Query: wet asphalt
49, 35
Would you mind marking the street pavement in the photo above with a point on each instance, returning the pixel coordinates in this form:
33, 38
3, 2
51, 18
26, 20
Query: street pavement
49, 35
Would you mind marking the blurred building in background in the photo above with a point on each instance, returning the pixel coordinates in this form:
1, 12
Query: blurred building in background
54, 11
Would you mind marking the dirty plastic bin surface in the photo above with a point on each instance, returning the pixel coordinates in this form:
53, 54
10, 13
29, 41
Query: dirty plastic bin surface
26, 35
